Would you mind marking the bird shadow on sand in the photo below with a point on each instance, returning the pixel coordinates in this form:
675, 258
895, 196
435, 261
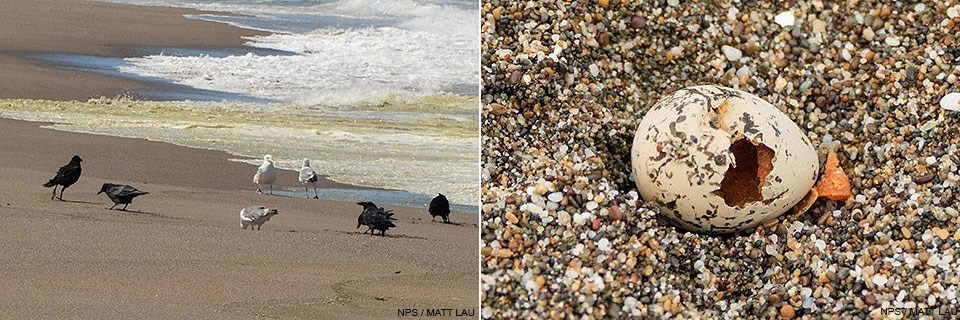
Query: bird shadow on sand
145, 213
78, 201
457, 224
395, 236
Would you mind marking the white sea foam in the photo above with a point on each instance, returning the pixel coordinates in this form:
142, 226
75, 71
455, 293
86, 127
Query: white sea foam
403, 47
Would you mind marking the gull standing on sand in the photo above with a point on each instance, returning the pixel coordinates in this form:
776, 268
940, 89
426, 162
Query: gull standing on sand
66, 176
255, 215
120, 194
266, 174
309, 177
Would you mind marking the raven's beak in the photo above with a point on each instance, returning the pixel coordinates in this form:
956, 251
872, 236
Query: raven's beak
99, 192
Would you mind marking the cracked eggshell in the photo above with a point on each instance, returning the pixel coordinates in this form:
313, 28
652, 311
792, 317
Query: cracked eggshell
721, 160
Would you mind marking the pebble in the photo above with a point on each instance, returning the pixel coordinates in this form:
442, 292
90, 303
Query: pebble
512, 218
785, 19
819, 26
892, 41
787, 312
879, 279
615, 213
596, 225
732, 54
951, 101
603, 244
868, 34
555, 197
933, 261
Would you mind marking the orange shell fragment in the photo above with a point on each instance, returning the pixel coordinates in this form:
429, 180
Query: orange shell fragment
835, 185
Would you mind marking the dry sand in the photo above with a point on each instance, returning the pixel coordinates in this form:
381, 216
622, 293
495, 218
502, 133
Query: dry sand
92, 28
183, 254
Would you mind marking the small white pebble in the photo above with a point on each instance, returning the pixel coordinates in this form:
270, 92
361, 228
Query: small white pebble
555, 197
487, 313
732, 54
920, 7
892, 41
930, 160
879, 279
535, 209
603, 244
953, 11
771, 249
592, 205
845, 55
630, 303
933, 261
951, 101
785, 19
594, 70
820, 244
577, 249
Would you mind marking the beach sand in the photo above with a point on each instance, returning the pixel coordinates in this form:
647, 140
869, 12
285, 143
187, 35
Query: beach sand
180, 253
93, 28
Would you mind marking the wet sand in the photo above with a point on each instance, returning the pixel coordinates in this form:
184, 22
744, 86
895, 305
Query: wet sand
92, 28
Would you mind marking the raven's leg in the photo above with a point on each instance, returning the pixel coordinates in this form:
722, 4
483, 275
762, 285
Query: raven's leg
259, 191
61, 192
125, 207
306, 192
446, 219
54, 195
271, 192
315, 194
258, 227
433, 218
111, 207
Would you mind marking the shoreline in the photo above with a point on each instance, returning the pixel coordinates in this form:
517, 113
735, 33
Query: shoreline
338, 191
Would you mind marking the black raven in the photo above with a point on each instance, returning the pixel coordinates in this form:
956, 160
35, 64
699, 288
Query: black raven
439, 206
375, 218
66, 177
120, 194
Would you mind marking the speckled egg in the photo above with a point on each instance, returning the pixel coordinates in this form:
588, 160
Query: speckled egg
721, 160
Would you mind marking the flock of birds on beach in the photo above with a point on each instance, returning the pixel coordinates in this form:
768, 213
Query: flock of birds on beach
373, 217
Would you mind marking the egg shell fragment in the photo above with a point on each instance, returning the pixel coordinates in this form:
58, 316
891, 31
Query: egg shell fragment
720, 160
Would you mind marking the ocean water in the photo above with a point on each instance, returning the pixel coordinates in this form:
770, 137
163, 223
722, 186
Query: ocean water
343, 51
378, 93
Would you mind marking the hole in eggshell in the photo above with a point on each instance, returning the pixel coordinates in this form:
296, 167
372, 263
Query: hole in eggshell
743, 182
